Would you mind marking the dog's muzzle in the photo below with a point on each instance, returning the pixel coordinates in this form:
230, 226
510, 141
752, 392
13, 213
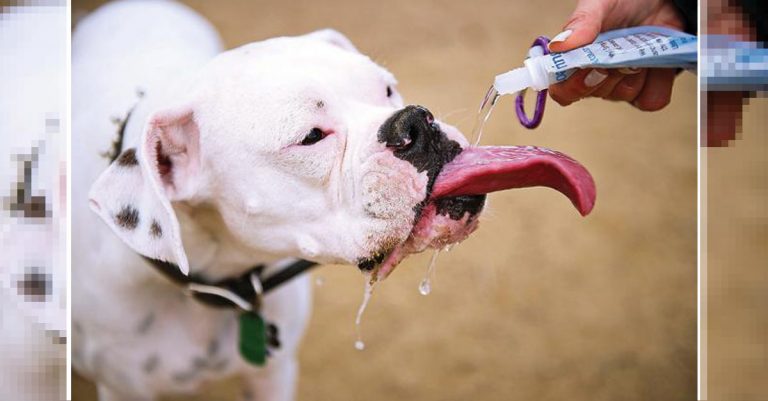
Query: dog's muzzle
459, 178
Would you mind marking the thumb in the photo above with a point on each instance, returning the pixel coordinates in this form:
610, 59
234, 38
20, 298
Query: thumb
583, 26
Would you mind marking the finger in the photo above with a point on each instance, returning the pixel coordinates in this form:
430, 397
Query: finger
582, 27
629, 88
581, 84
723, 117
629, 70
605, 88
657, 89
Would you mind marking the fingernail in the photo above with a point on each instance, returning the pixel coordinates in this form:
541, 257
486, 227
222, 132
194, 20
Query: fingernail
562, 36
629, 71
594, 78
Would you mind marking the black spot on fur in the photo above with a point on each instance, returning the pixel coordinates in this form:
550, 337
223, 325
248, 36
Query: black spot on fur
185, 376
155, 230
128, 218
35, 207
213, 347
151, 364
218, 365
320, 104
57, 337
367, 264
199, 363
128, 158
117, 143
34, 285
146, 324
455, 207
22, 202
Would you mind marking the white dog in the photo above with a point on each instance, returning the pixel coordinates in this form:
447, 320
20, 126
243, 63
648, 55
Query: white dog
294, 147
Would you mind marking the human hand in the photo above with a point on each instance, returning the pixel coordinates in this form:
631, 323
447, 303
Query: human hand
646, 89
722, 113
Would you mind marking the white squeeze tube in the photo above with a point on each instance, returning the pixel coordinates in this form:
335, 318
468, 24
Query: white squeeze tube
637, 47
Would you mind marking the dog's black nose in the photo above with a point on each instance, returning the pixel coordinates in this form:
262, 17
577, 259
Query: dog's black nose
413, 135
408, 127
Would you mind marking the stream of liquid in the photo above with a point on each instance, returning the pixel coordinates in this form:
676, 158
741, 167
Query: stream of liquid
425, 287
359, 344
486, 107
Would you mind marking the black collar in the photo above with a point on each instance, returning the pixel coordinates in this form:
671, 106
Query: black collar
241, 286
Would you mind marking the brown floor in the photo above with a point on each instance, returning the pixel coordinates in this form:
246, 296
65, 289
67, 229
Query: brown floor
540, 304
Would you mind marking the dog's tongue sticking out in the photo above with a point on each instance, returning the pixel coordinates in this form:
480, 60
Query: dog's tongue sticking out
482, 170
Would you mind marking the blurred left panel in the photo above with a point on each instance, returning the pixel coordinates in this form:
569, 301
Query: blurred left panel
33, 200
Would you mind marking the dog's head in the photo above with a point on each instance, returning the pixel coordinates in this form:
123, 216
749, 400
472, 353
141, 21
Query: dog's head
305, 149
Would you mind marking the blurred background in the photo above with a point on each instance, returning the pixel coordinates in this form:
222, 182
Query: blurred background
540, 303
734, 195
734, 254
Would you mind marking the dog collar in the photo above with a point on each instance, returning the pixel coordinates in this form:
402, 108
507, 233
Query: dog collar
245, 293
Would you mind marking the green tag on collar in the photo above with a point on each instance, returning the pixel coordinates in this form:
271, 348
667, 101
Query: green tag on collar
253, 338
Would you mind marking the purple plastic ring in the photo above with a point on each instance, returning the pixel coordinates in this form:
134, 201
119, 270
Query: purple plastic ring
541, 96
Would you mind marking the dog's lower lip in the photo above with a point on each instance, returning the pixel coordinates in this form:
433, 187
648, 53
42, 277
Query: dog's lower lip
414, 243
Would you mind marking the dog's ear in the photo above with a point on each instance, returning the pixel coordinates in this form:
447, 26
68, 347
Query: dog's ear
134, 194
333, 37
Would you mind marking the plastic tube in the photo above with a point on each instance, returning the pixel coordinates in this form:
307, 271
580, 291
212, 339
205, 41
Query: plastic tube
638, 47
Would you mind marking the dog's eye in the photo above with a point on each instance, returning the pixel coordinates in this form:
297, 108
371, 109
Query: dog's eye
314, 136
389, 91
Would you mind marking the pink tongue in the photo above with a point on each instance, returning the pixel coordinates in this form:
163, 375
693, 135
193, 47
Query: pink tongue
481, 170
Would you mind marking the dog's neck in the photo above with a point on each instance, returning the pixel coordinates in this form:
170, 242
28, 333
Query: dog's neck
213, 252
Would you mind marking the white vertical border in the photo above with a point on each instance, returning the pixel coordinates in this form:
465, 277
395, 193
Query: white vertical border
701, 274
68, 139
